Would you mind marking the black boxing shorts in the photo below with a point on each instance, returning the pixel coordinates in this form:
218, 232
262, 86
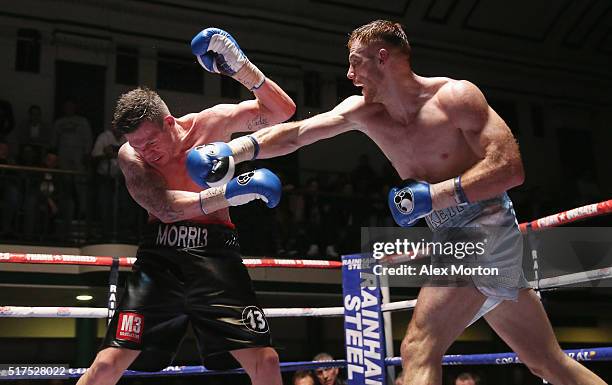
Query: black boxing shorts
188, 273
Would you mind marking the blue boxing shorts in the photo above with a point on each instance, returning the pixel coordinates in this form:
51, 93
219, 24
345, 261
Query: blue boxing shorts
504, 250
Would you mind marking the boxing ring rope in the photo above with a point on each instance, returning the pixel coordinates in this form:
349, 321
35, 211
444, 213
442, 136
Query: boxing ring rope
587, 354
569, 216
86, 312
581, 355
88, 260
100, 312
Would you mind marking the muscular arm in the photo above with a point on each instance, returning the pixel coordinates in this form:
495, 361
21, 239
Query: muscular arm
148, 188
500, 167
270, 106
285, 138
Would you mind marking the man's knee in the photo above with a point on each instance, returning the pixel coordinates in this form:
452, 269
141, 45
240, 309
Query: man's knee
266, 362
268, 358
104, 366
109, 363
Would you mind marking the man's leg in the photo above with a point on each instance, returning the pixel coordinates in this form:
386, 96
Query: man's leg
109, 365
261, 364
441, 314
524, 326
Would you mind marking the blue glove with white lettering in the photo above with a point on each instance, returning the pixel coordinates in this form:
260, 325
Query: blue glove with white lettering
258, 184
218, 52
410, 203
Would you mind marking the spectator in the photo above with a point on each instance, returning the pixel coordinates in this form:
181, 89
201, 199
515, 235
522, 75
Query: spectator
35, 132
9, 191
109, 183
327, 376
27, 156
303, 377
7, 121
312, 217
72, 138
466, 378
363, 176
45, 200
105, 152
5, 153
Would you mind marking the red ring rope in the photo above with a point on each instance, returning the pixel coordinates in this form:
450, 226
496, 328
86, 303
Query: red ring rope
573, 215
58, 259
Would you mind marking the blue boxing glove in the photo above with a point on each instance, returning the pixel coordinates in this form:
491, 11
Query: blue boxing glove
218, 52
210, 165
259, 184
214, 164
410, 203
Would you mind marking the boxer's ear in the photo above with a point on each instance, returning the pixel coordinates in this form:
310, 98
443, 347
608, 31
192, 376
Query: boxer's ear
169, 121
383, 55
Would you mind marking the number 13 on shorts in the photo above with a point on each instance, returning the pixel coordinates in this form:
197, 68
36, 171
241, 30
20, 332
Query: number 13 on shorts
254, 319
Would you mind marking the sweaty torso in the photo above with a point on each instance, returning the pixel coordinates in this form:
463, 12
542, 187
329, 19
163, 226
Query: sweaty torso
427, 146
198, 129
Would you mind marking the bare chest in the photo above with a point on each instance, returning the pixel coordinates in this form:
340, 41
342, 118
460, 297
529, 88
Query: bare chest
430, 147
176, 176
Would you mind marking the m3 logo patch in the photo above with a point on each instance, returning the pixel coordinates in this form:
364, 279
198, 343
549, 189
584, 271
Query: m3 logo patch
130, 327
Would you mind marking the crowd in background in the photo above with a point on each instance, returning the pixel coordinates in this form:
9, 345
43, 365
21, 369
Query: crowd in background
67, 185
333, 376
69, 189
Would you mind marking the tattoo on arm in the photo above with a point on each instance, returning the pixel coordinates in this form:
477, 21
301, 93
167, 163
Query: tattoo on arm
149, 190
258, 122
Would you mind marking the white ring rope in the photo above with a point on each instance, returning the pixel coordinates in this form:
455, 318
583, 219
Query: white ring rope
85, 312
595, 209
571, 279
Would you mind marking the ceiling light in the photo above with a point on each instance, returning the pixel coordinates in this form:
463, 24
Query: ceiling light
84, 297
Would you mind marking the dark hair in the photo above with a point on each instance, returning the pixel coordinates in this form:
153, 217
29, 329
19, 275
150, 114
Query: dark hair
468, 376
381, 31
136, 106
298, 375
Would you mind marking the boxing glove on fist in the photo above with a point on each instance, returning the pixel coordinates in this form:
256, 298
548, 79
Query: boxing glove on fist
218, 52
259, 184
210, 165
213, 164
410, 202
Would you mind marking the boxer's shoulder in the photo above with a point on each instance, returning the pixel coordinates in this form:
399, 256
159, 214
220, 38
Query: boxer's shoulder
459, 93
206, 126
356, 109
127, 155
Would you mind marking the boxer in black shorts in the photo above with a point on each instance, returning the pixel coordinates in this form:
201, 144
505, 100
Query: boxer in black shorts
189, 269
188, 272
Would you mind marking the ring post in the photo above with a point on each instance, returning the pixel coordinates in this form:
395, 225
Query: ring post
388, 327
113, 281
363, 321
